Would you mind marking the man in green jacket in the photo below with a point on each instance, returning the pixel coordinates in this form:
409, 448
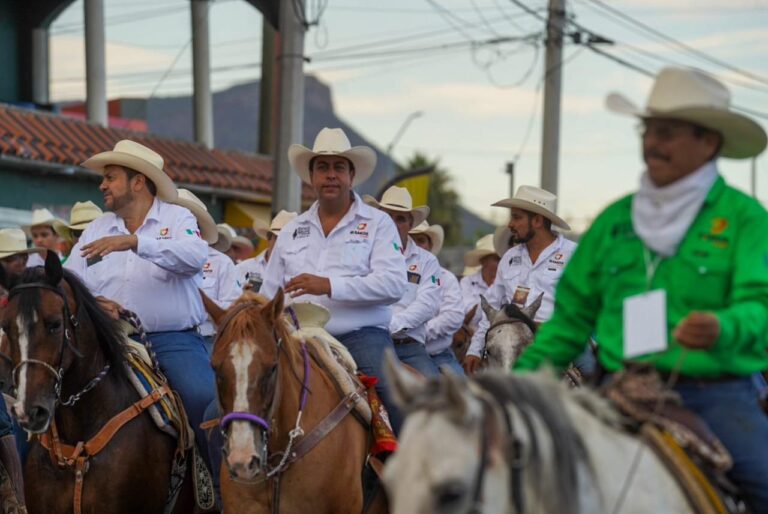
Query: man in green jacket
676, 274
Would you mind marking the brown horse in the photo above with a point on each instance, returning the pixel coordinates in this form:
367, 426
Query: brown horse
68, 358
273, 396
463, 336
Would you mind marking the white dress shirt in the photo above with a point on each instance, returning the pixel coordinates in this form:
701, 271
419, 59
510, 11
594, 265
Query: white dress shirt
361, 257
472, 286
159, 280
520, 281
440, 329
421, 300
219, 284
252, 269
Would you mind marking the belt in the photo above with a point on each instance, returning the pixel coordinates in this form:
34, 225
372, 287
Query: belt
195, 329
689, 380
405, 340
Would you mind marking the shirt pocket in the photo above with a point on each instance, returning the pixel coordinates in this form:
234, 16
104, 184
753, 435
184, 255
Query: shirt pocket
210, 283
295, 257
622, 274
356, 256
703, 284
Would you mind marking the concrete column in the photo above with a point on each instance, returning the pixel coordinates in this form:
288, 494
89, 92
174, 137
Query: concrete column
267, 90
550, 140
40, 66
286, 192
95, 62
201, 73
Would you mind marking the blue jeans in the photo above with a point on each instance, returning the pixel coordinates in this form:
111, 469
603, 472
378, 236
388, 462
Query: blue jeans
415, 355
448, 359
185, 362
367, 347
208, 343
6, 425
731, 410
215, 442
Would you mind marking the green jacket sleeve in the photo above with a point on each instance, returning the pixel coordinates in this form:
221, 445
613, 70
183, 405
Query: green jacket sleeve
577, 303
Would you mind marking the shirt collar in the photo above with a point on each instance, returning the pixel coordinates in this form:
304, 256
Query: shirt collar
153, 214
358, 208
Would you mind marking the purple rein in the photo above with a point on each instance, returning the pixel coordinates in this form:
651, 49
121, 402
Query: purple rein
243, 416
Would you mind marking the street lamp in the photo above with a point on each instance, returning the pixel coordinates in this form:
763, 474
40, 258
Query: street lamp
400, 131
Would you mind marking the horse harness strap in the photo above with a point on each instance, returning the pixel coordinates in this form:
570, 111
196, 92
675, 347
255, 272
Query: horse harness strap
65, 455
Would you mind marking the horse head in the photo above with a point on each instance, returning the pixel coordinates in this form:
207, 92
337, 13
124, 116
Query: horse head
442, 413
245, 360
463, 336
510, 332
38, 328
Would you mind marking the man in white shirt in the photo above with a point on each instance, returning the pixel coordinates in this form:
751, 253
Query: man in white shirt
219, 275
531, 267
250, 272
146, 255
441, 328
421, 300
342, 254
486, 256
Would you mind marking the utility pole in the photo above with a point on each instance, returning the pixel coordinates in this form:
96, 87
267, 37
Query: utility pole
286, 188
95, 59
550, 144
267, 90
201, 73
511, 173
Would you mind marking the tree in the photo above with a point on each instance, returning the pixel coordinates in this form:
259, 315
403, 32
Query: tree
443, 200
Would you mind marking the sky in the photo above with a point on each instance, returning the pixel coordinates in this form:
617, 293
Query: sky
479, 99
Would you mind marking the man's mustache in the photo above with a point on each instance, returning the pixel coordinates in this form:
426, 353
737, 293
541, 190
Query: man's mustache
654, 154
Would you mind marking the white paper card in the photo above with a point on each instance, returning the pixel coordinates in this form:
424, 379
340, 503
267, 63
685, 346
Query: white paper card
645, 323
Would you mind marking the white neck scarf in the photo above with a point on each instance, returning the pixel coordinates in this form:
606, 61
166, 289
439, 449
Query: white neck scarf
662, 215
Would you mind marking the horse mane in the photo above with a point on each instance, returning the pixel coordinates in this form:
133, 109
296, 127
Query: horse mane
537, 395
107, 330
512, 311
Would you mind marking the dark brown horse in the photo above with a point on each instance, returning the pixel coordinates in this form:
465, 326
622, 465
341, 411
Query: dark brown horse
273, 397
68, 358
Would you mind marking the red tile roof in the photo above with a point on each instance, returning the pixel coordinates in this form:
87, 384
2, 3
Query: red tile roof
40, 136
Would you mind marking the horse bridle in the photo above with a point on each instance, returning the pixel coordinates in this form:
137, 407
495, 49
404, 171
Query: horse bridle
67, 344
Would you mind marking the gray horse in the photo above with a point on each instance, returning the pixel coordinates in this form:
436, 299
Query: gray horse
511, 331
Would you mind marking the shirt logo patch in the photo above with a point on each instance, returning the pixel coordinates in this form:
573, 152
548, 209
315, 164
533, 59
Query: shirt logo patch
362, 226
413, 267
301, 232
435, 280
360, 230
165, 233
414, 278
191, 232
516, 260
718, 226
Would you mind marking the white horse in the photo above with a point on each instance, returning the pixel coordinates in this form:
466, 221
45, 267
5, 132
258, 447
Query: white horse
511, 331
500, 443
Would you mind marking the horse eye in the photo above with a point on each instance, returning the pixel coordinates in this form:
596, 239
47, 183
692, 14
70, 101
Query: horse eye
53, 326
448, 494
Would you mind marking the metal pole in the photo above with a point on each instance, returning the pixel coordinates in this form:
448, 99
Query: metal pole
511, 173
95, 67
267, 89
201, 73
550, 145
286, 192
40, 65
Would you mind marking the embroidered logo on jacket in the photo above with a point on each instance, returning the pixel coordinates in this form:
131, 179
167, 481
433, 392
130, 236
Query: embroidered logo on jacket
165, 233
301, 232
191, 232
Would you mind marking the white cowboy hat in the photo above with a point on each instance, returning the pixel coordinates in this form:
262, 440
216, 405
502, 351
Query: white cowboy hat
14, 241
41, 217
696, 97
435, 233
483, 248
399, 199
80, 216
333, 142
278, 222
226, 235
311, 314
208, 230
138, 158
537, 201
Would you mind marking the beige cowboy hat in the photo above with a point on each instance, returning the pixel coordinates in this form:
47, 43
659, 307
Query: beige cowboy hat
333, 141
278, 222
435, 233
13, 241
188, 200
311, 314
226, 235
41, 217
80, 216
537, 201
138, 158
399, 199
243, 241
696, 97
483, 248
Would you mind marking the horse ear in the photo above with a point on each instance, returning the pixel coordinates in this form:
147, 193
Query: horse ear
53, 270
454, 391
470, 315
274, 309
403, 385
489, 311
214, 311
531, 310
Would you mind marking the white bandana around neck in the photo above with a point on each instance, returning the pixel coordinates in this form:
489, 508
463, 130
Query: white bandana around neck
661, 215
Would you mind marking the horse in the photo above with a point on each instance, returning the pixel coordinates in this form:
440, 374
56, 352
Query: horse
518, 443
463, 336
511, 331
69, 368
280, 452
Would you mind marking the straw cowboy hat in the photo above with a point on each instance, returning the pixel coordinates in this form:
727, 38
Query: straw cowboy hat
435, 233
537, 201
278, 222
333, 142
80, 216
483, 248
41, 217
696, 97
399, 199
226, 235
208, 230
13, 241
138, 158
